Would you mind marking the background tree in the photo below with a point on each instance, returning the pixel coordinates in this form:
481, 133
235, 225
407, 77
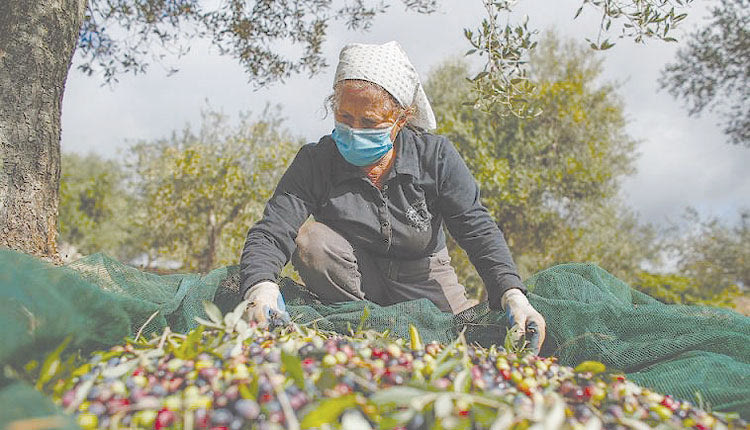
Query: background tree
37, 43
712, 72
714, 251
711, 259
550, 181
199, 192
96, 209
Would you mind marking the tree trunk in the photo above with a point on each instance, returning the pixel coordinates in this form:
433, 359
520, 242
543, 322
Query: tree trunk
37, 40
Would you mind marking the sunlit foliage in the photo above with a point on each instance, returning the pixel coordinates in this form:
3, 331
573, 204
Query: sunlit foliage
200, 191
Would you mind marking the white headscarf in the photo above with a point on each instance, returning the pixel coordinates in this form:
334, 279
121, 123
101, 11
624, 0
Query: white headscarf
388, 66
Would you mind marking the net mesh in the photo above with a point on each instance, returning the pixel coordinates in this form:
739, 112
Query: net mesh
590, 314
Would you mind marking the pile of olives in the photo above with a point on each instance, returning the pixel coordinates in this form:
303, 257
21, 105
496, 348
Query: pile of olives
248, 377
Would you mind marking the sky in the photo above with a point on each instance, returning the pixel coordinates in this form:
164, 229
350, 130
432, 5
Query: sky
683, 161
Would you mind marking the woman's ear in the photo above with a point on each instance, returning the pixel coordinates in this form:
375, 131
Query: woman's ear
403, 118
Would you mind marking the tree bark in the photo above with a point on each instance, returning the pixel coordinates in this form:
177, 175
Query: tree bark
37, 41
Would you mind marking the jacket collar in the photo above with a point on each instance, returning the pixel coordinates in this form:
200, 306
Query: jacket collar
406, 162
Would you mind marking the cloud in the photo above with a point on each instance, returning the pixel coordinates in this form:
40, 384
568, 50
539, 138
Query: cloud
686, 162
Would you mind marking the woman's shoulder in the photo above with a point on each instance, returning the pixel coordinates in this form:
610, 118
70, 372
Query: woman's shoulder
323, 144
425, 137
430, 146
323, 149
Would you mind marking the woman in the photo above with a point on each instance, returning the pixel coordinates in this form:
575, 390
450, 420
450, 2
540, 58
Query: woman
379, 188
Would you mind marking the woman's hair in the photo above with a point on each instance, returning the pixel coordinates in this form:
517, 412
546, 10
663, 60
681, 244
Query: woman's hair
331, 102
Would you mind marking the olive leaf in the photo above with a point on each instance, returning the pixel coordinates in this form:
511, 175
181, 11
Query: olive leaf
232, 319
236, 350
504, 419
121, 369
80, 395
328, 411
64, 371
241, 307
514, 340
191, 346
242, 328
246, 392
415, 339
443, 406
634, 424
82, 370
485, 416
213, 312
293, 367
52, 363
397, 419
555, 416
326, 381
590, 366
446, 351
398, 395
353, 420
363, 319
462, 383
207, 323
444, 368
30, 366
147, 356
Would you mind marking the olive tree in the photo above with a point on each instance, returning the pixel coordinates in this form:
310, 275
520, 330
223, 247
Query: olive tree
550, 181
711, 72
199, 191
96, 208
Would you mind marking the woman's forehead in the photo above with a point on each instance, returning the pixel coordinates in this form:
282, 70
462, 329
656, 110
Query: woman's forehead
363, 99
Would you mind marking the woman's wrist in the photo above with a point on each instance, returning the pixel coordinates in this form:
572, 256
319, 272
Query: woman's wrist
512, 295
261, 285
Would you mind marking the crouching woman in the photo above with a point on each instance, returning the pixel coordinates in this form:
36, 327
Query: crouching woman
380, 187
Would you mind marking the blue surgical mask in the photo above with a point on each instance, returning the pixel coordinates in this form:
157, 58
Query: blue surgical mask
362, 146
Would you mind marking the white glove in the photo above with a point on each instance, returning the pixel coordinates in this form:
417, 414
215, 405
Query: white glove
265, 300
521, 313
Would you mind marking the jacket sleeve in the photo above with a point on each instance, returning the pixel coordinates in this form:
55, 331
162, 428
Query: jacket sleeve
271, 241
470, 223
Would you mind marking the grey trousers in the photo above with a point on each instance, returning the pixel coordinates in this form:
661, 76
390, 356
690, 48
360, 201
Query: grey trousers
336, 272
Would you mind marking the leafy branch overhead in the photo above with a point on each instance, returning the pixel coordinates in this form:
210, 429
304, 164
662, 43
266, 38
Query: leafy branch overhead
503, 87
119, 36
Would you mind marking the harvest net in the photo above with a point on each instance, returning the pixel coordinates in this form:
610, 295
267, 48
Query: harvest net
685, 351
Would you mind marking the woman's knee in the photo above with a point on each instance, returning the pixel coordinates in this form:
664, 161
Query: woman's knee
325, 260
317, 242
311, 240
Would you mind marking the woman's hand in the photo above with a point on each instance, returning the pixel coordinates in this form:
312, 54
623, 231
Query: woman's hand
521, 313
265, 302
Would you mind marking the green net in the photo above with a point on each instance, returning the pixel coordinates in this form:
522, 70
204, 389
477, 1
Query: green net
591, 315
24, 408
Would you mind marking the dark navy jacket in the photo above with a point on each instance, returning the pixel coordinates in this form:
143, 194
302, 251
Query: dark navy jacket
428, 183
